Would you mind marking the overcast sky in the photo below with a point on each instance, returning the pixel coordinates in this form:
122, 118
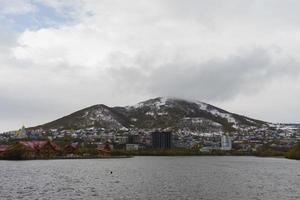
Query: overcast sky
59, 56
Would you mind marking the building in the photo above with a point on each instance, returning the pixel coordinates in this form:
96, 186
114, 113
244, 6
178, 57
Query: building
210, 146
162, 140
106, 150
107, 137
41, 149
145, 139
72, 148
3, 148
21, 134
102, 145
226, 143
33, 150
132, 147
119, 139
133, 139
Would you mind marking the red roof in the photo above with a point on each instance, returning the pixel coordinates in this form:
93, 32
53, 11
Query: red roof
4, 147
74, 145
36, 145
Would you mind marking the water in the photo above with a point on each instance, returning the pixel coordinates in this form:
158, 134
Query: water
152, 178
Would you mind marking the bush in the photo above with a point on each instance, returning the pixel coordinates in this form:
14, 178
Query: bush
267, 151
14, 153
294, 153
157, 152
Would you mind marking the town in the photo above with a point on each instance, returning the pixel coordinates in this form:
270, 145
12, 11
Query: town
100, 142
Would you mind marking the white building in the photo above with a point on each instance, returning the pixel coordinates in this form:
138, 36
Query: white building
21, 134
132, 147
121, 139
101, 146
226, 143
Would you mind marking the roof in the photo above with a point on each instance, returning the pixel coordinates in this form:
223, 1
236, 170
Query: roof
4, 147
104, 151
36, 145
74, 145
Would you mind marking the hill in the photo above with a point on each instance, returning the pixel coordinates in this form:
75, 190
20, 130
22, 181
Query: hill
157, 113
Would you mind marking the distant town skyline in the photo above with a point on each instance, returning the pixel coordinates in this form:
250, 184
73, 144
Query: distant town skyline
57, 57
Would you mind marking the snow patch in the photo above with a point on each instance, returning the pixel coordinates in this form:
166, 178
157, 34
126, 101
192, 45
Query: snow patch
101, 114
162, 101
202, 106
227, 116
85, 114
157, 103
162, 113
150, 113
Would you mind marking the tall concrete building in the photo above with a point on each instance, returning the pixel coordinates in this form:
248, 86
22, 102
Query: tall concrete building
133, 139
162, 140
226, 143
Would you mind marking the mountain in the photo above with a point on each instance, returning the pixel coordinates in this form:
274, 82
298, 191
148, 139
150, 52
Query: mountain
158, 113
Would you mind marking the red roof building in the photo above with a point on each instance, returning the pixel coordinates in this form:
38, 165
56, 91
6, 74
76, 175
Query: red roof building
3, 148
72, 148
38, 145
38, 149
106, 150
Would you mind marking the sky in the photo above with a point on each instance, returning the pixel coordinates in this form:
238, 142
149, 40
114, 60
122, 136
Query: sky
59, 56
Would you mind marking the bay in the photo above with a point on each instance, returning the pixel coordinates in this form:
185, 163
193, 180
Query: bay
209, 178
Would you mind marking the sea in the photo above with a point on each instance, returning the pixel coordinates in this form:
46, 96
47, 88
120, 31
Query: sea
149, 177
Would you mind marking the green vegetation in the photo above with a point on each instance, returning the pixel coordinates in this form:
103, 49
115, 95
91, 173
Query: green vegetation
156, 152
88, 151
15, 153
267, 151
175, 152
19, 152
294, 153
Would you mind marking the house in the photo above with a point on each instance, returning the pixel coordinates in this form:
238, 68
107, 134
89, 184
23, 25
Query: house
120, 139
3, 148
41, 149
35, 149
210, 146
72, 148
132, 147
106, 150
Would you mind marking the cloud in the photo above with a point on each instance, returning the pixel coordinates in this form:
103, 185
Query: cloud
213, 80
16, 7
117, 53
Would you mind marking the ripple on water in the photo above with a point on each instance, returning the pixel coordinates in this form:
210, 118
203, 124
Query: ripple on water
152, 178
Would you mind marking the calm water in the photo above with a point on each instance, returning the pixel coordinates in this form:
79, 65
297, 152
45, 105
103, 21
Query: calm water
152, 178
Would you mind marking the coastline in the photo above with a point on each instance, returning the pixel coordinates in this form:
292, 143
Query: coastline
70, 158
141, 155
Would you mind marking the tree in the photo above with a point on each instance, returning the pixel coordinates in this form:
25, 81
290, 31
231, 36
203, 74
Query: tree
16, 152
294, 153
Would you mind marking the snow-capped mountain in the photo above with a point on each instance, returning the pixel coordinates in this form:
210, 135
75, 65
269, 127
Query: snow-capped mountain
158, 113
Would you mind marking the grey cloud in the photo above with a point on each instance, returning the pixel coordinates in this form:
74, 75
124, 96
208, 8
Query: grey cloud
147, 49
214, 80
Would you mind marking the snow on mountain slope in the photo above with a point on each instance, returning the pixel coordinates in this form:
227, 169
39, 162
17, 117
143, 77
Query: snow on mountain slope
161, 112
179, 108
94, 116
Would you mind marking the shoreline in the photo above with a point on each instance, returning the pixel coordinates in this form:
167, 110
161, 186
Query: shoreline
71, 158
132, 156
